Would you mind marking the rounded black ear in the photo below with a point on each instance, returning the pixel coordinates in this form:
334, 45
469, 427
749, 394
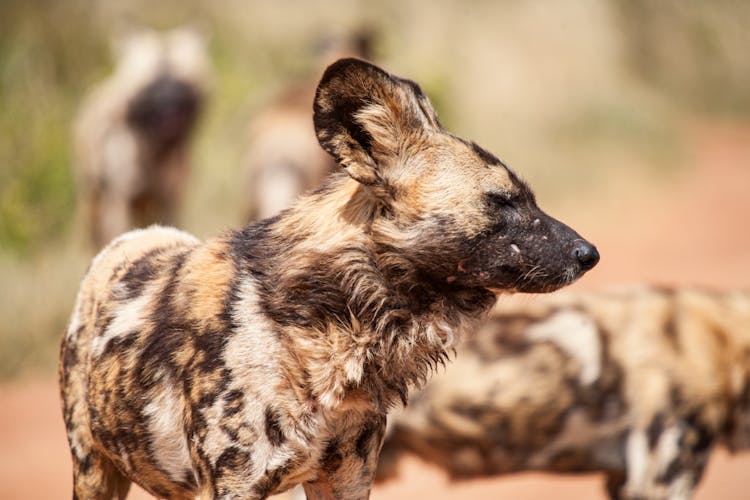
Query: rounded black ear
362, 114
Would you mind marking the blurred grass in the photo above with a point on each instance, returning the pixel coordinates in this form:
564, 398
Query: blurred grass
691, 49
566, 92
40, 82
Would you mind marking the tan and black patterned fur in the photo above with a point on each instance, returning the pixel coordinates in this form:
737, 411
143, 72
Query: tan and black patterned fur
639, 384
269, 356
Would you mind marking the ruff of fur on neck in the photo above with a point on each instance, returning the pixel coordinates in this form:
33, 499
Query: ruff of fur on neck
383, 347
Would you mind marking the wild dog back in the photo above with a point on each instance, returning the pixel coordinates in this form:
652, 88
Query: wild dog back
269, 356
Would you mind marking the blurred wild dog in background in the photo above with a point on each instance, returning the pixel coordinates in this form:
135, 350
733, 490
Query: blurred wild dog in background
638, 384
282, 158
132, 132
269, 356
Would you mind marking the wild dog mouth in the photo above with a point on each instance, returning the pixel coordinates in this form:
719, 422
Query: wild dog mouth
553, 273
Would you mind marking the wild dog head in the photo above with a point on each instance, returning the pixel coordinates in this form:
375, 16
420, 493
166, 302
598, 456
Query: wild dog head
451, 209
166, 75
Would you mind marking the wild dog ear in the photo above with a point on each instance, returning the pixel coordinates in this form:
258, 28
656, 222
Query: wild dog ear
363, 117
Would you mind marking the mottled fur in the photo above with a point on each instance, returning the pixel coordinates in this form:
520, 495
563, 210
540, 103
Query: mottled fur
132, 133
268, 357
639, 384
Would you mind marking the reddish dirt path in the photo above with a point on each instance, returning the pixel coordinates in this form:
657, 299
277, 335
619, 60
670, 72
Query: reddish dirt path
694, 229
34, 463
689, 228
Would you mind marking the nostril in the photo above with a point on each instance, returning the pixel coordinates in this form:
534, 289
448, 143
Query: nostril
587, 255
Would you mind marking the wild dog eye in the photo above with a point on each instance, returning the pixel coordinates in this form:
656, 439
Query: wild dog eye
499, 201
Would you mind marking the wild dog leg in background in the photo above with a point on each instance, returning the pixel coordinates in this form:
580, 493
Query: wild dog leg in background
132, 133
638, 384
269, 356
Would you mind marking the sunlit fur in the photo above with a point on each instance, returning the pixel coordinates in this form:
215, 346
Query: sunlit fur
638, 384
269, 356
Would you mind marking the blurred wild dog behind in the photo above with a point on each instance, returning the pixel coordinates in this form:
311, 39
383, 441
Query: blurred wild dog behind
132, 132
640, 384
282, 158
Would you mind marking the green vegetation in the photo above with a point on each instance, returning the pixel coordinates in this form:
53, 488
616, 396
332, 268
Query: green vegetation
40, 81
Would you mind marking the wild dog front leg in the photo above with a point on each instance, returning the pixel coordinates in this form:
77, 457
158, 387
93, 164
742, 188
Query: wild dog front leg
346, 477
348, 464
666, 461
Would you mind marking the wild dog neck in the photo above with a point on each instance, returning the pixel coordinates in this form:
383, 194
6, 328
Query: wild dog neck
373, 277
322, 273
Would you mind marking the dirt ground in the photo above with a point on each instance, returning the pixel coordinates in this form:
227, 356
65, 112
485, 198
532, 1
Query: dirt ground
693, 229
34, 463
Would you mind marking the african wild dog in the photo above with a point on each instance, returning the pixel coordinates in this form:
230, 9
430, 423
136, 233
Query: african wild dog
132, 132
269, 356
282, 157
638, 384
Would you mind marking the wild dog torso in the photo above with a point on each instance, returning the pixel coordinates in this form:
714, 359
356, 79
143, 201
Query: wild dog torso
639, 383
188, 382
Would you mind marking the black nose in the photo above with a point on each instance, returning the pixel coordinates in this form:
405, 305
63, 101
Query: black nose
586, 254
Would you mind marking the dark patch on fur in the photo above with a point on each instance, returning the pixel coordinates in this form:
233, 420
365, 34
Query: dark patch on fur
511, 337
363, 446
118, 345
319, 297
209, 346
233, 402
615, 482
699, 437
208, 397
737, 425
140, 273
332, 458
163, 314
485, 155
344, 101
84, 466
721, 336
232, 433
346, 110
605, 399
103, 318
229, 463
569, 459
273, 427
267, 484
156, 356
655, 429
676, 398
226, 316
165, 112
673, 470
69, 355
670, 329
160, 491
189, 482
